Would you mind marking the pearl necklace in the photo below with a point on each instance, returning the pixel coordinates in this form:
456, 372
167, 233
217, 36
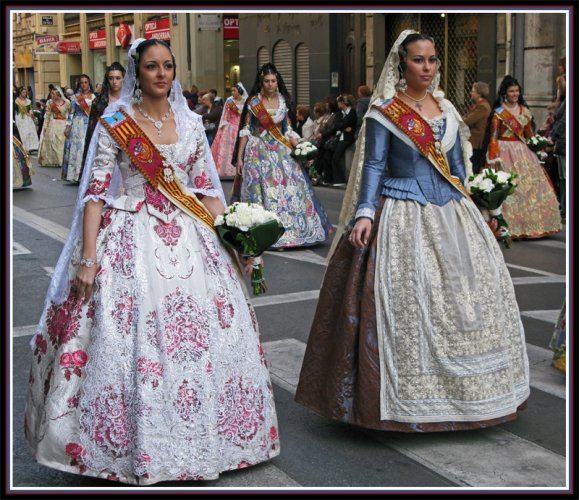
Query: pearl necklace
158, 124
417, 104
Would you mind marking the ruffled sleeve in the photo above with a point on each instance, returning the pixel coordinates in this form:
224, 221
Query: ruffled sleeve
102, 167
493, 154
201, 183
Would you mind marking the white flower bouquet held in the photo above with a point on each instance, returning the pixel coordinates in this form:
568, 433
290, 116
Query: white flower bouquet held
488, 190
305, 151
538, 143
250, 230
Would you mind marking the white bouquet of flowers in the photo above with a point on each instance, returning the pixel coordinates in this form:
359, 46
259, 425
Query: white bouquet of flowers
305, 151
538, 143
250, 230
488, 190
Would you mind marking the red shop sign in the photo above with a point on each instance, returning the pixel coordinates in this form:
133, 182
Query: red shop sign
97, 39
160, 29
230, 26
68, 47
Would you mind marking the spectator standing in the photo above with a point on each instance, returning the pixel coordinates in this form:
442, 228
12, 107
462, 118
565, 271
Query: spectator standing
476, 119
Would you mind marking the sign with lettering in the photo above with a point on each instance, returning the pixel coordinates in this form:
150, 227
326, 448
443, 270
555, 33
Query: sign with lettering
230, 26
47, 20
208, 22
97, 39
45, 43
68, 47
161, 29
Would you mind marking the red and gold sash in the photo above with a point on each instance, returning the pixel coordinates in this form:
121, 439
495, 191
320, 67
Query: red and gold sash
230, 103
420, 133
83, 105
510, 121
149, 161
258, 109
56, 112
21, 108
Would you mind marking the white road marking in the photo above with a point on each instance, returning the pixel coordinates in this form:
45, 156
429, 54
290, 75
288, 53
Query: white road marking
547, 315
485, 458
40, 224
18, 249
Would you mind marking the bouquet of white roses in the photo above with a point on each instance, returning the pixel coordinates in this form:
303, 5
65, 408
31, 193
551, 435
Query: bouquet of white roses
488, 190
305, 151
250, 230
538, 143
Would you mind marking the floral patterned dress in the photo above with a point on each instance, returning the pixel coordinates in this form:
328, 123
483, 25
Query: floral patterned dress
52, 137
274, 180
532, 211
161, 376
224, 142
26, 125
74, 147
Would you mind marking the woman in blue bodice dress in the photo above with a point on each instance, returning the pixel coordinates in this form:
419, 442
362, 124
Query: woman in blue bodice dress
417, 328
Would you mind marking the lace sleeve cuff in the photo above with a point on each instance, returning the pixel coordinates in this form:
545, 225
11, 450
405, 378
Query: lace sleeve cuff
365, 212
244, 133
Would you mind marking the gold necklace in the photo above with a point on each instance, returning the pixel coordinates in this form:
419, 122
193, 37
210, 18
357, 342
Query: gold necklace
417, 104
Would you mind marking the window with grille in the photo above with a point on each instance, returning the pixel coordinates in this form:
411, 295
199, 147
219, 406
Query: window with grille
282, 58
303, 74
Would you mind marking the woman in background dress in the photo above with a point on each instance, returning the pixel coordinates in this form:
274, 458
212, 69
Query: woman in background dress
53, 135
224, 142
270, 176
532, 211
25, 121
73, 151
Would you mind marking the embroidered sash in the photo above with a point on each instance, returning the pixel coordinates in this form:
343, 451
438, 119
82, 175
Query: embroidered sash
83, 105
258, 109
56, 112
420, 133
149, 161
23, 109
511, 123
230, 103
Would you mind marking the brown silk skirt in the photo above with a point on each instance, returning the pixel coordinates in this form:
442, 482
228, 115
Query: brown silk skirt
340, 375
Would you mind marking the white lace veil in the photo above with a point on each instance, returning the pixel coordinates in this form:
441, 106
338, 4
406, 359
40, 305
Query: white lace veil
59, 287
386, 89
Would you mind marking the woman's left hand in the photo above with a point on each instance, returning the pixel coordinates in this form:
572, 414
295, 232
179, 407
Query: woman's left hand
495, 228
247, 263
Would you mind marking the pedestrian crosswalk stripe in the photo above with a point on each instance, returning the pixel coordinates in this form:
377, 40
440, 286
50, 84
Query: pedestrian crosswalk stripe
484, 458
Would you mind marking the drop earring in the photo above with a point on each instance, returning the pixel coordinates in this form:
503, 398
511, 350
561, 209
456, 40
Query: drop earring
402, 85
138, 94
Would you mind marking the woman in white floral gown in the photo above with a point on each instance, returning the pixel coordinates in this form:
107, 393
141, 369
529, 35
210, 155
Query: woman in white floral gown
147, 364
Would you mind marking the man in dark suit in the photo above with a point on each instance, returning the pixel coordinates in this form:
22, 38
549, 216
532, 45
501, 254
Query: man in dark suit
345, 128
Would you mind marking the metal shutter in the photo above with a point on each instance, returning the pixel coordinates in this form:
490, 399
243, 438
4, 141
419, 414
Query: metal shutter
303, 74
262, 57
282, 58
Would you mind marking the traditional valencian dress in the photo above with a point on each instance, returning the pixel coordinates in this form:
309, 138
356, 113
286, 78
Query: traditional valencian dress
224, 142
161, 376
52, 138
21, 166
420, 330
274, 180
532, 211
25, 124
74, 148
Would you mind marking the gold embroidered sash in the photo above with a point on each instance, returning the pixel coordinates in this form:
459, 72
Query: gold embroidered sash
83, 105
258, 109
230, 103
510, 121
23, 110
149, 161
420, 133
56, 112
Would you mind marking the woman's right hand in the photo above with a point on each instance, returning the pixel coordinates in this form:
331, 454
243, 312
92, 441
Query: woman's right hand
239, 166
84, 282
361, 233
